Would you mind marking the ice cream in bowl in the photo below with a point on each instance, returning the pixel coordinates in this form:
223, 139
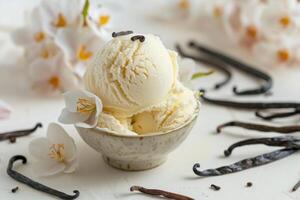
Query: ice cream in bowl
146, 111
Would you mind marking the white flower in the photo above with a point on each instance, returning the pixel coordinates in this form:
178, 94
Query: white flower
52, 74
188, 73
45, 50
32, 33
79, 46
59, 44
5, 110
280, 17
283, 51
99, 19
82, 108
242, 22
54, 154
60, 14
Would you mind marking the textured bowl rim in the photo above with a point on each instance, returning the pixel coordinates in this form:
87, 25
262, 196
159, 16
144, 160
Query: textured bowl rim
110, 133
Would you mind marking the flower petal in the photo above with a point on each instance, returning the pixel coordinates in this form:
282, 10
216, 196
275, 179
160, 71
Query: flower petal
71, 99
39, 148
71, 166
41, 70
91, 122
57, 135
48, 167
66, 39
67, 117
22, 36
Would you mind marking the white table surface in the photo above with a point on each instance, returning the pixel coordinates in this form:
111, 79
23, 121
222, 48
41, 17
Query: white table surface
96, 180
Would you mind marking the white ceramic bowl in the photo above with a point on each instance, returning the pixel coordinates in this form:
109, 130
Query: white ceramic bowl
140, 152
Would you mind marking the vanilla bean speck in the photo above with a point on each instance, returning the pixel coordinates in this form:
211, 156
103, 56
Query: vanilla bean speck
215, 187
121, 33
249, 184
15, 189
138, 37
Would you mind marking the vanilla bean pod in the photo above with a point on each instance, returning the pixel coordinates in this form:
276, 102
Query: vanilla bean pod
250, 105
288, 142
260, 127
278, 115
161, 193
251, 71
33, 184
141, 38
211, 62
246, 163
121, 33
296, 187
11, 136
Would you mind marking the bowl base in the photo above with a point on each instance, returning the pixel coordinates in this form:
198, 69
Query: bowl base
134, 165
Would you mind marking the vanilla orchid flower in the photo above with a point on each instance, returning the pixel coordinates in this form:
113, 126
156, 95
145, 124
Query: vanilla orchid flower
54, 154
60, 14
82, 109
280, 52
280, 17
52, 74
215, 9
188, 73
45, 50
99, 19
5, 110
33, 33
242, 22
79, 47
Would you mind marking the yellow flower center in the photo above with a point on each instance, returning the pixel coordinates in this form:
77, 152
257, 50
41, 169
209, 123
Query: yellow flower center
61, 21
285, 20
183, 4
83, 54
217, 11
57, 152
85, 106
251, 31
54, 82
45, 54
103, 19
283, 55
39, 36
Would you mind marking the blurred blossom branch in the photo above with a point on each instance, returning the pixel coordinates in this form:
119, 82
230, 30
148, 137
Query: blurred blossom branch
267, 29
59, 39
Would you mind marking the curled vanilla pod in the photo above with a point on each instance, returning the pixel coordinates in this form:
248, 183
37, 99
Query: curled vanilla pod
222, 67
33, 184
260, 127
281, 115
287, 141
239, 65
250, 105
246, 163
160, 193
11, 136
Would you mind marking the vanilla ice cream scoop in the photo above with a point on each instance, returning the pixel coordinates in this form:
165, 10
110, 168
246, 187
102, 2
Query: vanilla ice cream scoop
130, 76
170, 114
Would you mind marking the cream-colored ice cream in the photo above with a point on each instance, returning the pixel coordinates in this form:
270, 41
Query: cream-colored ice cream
109, 122
170, 114
130, 76
137, 83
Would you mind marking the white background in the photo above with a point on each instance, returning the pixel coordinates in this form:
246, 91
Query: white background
95, 179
